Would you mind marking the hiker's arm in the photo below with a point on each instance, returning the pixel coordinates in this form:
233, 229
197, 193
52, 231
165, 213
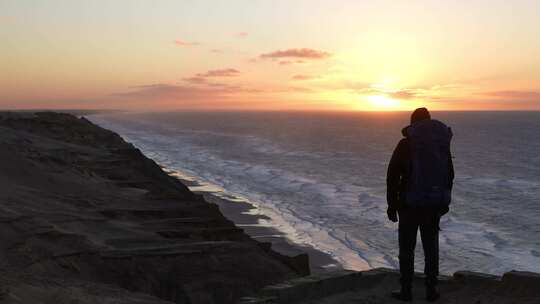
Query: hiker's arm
393, 176
450, 170
444, 210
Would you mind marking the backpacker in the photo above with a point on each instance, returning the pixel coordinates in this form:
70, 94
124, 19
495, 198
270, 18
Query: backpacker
429, 184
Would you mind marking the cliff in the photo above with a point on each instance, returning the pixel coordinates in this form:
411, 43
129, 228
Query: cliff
87, 218
374, 286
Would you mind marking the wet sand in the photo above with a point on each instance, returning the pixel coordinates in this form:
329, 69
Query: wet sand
258, 226
239, 213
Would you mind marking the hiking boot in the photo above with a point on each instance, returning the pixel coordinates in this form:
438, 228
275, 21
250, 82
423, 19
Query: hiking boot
432, 294
403, 294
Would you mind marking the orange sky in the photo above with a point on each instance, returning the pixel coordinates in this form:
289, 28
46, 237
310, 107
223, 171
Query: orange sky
270, 55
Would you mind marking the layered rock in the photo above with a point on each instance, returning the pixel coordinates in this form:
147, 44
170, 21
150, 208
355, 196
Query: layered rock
86, 216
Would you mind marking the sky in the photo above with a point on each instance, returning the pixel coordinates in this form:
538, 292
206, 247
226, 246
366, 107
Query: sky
333, 55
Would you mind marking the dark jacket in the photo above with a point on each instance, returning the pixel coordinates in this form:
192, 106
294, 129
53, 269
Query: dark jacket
398, 174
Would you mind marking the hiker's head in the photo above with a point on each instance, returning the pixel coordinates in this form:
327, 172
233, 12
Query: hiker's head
420, 114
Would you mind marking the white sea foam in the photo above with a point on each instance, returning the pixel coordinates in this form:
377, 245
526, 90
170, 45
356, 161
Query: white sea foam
325, 187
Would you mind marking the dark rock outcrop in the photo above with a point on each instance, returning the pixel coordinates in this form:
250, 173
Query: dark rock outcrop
83, 213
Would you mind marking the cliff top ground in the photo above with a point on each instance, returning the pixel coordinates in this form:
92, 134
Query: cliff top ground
374, 286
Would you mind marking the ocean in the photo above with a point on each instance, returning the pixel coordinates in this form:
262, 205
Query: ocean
320, 178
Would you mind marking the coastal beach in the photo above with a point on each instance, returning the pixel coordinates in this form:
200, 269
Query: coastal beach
259, 226
319, 179
87, 218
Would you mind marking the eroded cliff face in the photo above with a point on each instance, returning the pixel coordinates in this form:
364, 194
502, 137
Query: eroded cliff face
85, 216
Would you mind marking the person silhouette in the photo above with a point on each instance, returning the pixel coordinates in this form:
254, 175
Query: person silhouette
419, 184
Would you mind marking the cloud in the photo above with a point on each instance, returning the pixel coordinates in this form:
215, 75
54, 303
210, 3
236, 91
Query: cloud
184, 43
195, 79
184, 96
241, 34
345, 85
188, 92
204, 79
520, 95
303, 77
8, 19
290, 62
300, 89
302, 53
404, 94
220, 73
436, 92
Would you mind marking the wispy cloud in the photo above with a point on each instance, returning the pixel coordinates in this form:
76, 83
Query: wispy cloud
161, 91
186, 96
290, 62
433, 93
184, 43
229, 72
301, 53
168, 91
8, 19
303, 77
241, 34
195, 80
405, 94
203, 78
518, 95
299, 89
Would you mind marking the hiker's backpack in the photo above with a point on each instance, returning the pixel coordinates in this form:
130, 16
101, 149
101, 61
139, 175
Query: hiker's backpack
429, 184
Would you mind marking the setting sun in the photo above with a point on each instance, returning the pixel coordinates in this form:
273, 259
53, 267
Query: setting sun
381, 102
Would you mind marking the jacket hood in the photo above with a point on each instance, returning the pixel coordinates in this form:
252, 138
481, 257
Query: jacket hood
429, 127
404, 131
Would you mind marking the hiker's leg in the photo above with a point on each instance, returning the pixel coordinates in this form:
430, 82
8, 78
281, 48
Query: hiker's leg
408, 227
429, 232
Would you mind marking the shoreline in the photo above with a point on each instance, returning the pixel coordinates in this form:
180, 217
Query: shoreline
256, 225
258, 174
240, 211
